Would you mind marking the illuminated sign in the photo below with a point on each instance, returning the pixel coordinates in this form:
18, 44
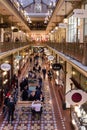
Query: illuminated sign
62, 25
57, 66
76, 97
50, 57
80, 13
5, 67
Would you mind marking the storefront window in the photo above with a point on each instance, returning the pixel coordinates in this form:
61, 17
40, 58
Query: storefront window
76, 75
80, 79
73, 33
84, 82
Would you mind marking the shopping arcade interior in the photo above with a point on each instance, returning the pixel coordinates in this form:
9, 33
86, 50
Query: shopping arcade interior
12, 18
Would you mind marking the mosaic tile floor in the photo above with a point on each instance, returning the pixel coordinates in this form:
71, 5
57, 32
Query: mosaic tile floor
26, 121
51, 118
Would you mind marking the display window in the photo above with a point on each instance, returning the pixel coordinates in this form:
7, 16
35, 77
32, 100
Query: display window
73, 29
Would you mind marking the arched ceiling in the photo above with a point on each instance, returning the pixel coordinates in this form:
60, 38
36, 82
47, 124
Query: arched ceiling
61, 10
39, 12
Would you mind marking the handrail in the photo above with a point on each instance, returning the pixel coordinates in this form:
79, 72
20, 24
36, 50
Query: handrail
76, 51
6, 46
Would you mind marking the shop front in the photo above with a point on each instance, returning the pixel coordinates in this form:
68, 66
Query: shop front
6, 73
77, 98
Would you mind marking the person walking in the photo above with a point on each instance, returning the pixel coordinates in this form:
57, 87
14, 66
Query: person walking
25, 94
44, 72
5, 106
40, 81
11, 109
50, 74
39, 68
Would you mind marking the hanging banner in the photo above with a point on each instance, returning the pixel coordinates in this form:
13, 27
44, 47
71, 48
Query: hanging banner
62, 25
76, 97
46, 50
40, 49
48, 53
50, 57
18, 57
57, 66
5, 67
80, 13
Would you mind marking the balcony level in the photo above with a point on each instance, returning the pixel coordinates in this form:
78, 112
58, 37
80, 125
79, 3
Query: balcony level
77, 51
6, 47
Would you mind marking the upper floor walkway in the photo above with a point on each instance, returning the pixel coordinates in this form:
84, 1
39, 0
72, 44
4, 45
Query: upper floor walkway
76, 51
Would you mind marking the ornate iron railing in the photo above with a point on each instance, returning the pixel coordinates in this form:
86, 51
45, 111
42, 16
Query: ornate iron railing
77, 51
6, 46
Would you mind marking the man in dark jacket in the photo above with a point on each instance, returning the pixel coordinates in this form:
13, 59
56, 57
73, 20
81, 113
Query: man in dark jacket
5, 106
11, 108
25, 94
40, 80
44, 72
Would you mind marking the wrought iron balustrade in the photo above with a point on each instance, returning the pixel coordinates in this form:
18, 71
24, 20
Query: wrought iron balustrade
76, 51
6, 46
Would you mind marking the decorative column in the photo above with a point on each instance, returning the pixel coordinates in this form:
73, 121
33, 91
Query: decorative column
64, 89
2, 32
84, 60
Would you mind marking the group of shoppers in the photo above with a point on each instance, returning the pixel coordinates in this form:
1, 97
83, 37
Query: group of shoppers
9, 104
11, 97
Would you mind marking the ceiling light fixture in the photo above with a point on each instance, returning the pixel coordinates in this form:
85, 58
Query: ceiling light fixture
65, 20
12, 27
56, 28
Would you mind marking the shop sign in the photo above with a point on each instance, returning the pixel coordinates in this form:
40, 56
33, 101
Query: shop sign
57, 66
50, 57
18, 57
15, 30
62, 25
80, 13
45, 50
76, 97
48, 53
41, 50
5, 67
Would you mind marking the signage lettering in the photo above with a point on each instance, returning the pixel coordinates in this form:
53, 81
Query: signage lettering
5, 67
80, 13
57, 66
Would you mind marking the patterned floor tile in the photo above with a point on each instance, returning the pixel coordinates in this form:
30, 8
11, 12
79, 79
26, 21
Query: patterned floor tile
35, 126
22, 126
25, 120
48, 127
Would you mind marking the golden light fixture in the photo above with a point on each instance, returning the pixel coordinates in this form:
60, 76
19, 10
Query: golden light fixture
65, 20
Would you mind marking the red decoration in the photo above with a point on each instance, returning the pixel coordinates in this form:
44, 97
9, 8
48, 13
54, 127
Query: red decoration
76, 97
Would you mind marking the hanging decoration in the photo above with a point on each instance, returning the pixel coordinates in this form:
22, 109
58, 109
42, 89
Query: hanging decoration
5, 67
76, 97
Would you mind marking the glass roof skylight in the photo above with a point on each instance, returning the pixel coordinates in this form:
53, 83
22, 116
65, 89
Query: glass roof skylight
25, 3
38, 10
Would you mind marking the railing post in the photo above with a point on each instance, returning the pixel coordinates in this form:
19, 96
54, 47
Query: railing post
84, 59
